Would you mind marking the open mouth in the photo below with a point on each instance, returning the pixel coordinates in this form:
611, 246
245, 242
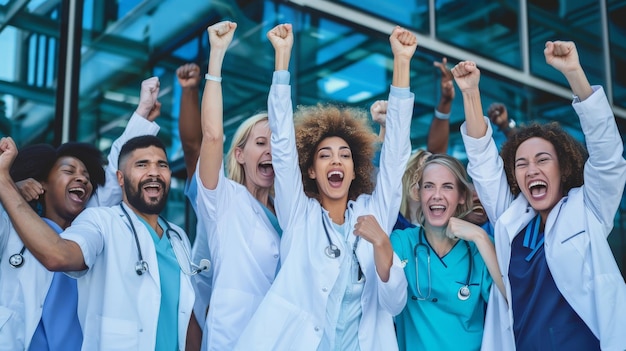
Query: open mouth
77, 193
152, 188
335, 178
266, 168
437, 209
538, 188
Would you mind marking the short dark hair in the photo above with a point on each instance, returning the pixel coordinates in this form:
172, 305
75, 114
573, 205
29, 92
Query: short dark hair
36, 161
140, 142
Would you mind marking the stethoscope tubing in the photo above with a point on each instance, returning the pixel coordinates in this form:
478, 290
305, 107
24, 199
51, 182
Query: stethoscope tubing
464, 292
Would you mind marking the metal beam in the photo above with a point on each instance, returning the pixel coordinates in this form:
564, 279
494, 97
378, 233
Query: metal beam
13, 8
384, 26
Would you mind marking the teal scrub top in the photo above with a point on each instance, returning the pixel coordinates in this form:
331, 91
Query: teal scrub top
169, 273
436, 319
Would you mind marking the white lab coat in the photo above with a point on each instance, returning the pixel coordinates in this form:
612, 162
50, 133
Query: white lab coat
577, 253
118, 309
293, 314
21, 300
244, 247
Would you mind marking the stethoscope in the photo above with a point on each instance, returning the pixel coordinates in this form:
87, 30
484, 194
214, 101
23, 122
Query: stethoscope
17, 260
332, 251
141, 266
464, 291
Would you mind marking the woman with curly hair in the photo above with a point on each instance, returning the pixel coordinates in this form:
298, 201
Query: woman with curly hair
340, 283
553, 208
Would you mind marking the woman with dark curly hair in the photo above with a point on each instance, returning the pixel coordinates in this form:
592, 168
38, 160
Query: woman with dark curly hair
340, 283
554, 208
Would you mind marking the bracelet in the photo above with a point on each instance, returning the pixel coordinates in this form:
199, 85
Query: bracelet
213, 78
441, 115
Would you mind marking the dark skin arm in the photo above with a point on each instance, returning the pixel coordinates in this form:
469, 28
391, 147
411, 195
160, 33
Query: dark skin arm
439, 132
194, 335
189, 117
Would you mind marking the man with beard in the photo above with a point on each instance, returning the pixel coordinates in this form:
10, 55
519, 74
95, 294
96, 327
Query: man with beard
118, 255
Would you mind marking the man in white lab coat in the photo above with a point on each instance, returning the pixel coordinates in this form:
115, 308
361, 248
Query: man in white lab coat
38, 308
132, 295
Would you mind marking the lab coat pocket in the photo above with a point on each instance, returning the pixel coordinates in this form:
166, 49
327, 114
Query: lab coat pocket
11, 330
118, 334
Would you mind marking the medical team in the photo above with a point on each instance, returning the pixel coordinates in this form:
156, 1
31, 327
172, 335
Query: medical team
88, 263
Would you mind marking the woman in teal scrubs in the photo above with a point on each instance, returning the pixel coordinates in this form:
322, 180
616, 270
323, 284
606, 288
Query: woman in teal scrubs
449, 264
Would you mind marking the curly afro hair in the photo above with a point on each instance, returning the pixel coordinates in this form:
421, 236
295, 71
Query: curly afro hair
316, 123
570, 152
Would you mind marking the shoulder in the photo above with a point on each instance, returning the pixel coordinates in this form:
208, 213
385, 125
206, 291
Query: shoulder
404, 239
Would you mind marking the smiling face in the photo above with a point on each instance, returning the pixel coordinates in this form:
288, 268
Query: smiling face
67, 190
256, 158
538, 174
145, 177
439, 195
333, 169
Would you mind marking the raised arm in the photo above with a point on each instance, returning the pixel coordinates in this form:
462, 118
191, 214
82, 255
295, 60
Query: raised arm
142, 122
563, 56
189, 125
55, 253
439, 132
403, 45
467, 77
212, 146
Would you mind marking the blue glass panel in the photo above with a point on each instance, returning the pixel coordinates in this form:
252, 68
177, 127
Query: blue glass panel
488, 28
408, 13
578, 21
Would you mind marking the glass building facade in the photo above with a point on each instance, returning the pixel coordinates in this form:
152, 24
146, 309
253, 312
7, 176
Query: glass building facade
71, 69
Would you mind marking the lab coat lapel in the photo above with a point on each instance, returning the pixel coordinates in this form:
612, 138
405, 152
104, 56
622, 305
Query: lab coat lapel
146, 242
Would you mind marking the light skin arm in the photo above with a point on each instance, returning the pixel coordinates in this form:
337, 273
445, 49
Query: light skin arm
378, 110
281, 38
189, 124
54, 252
563, 56
439, 132
403, 45
467, 77
149, 106
212, 146
461, 229
367, 227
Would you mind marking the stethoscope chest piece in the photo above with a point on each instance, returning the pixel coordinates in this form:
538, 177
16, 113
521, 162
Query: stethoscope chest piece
332, 251
464, 293
16, 260
141, 267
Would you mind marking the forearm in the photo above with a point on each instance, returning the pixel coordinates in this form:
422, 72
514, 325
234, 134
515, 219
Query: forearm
41, 240
488, 253
579, 83
401, 72
383, 258
438, 135
476, 126
189, 127
212, 145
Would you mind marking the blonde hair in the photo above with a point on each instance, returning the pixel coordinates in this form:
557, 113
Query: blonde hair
415, 161
234, 169
458, 171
